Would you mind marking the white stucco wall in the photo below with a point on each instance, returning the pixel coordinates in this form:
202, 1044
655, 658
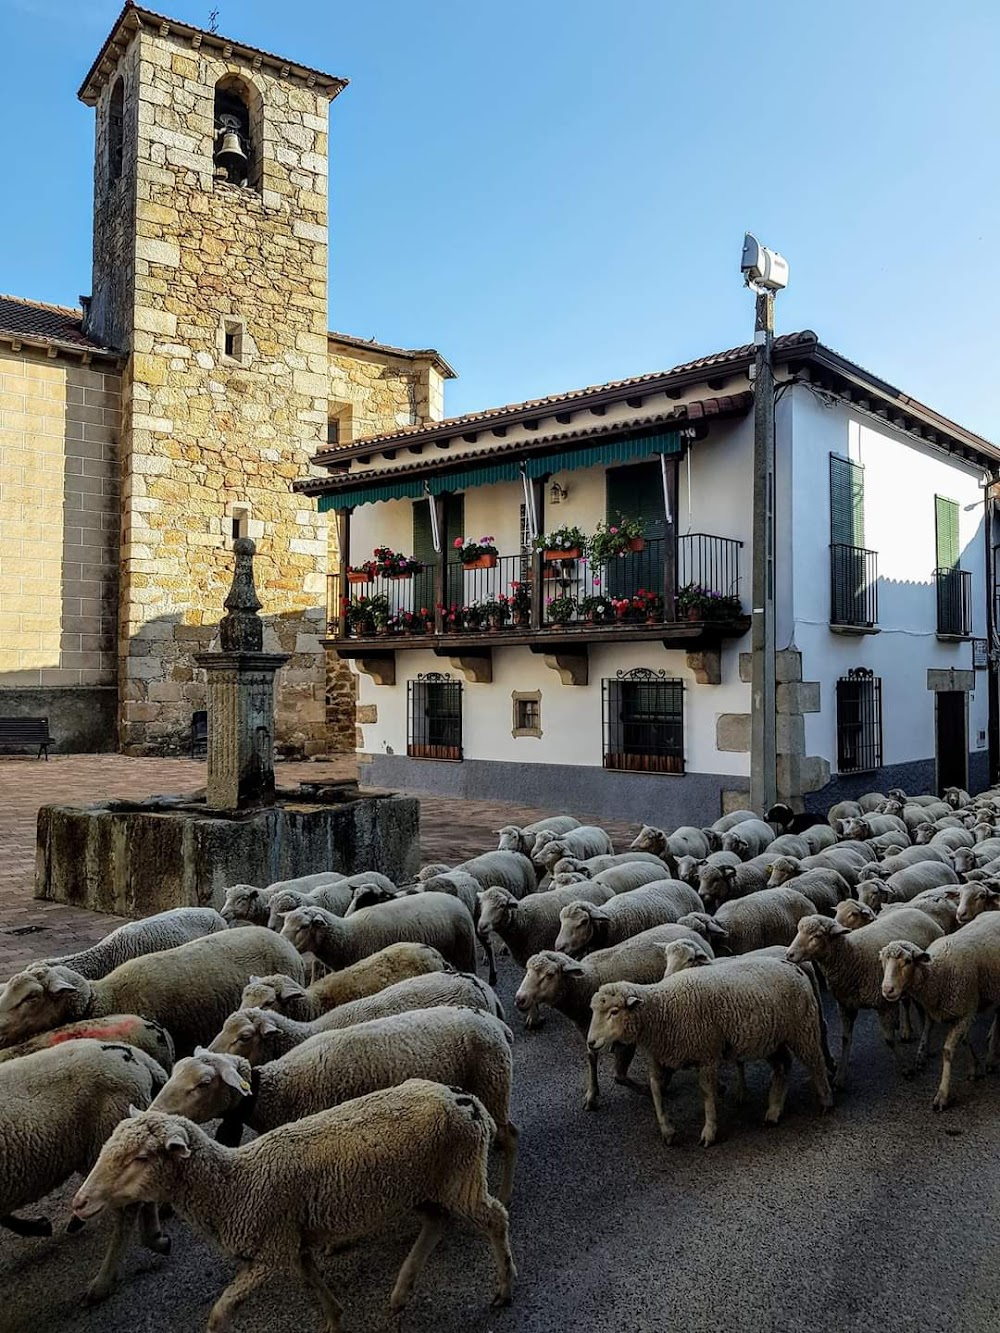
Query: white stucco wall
902, 477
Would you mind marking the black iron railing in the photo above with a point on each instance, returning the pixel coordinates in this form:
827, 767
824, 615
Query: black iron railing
859, 721
434, 717
643, 722
853, 586
496, 595
954, 602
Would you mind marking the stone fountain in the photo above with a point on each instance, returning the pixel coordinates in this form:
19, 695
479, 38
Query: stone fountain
139, 857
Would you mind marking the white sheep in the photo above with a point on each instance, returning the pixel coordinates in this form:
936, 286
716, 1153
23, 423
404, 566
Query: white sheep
849, 962
939, 904
458, 883
973, 899
951, 838
848, 859
514, 838
952, 980
57, 1107
569, 984
841, 811
426, 918
864, 827
587, 840
684, 841
762, 1010
124, 1029
458, 1047
419, 1147
761, 919
189, 990
956, 797
725, 822
585, 926
719, 883
689, 868
824, 889
369, 975
262, 1035
509, 870
594, 865
249, 904
527, 925
165, 930
748, 839
334, 896
905, 884
907, 856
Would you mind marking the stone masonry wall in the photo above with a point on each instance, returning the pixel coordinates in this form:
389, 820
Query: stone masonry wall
59, 520
370, 393
204, 432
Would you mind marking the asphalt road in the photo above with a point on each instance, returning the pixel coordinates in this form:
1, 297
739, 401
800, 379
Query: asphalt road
881, 1215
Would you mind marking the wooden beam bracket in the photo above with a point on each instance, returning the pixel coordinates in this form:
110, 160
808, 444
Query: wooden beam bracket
380, 666
477, 668
706, 665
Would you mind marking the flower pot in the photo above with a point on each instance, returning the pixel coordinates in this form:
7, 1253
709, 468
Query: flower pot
572, 554
480, 562
694, 613
357, 577
403, 574
637, 543
652, 617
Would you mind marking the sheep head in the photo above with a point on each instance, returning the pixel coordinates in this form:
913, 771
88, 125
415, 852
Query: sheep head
689, 869
900, 962
137, 1164
543, 978
368, 895
511, 839
853, 915
716, 885
272, 992
205, 1086
614, 1015
856, 828
814, 938
248, 1033
679, 955
39, 998
579, 923
874, 893
571, 865
707, 927
497, 907
305, 926
283, 902
649, 840
783, 868
245, 902
974, 899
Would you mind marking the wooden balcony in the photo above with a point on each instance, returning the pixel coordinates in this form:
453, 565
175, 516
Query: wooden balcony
557, 608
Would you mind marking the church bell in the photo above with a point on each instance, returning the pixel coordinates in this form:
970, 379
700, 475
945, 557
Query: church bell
230, 152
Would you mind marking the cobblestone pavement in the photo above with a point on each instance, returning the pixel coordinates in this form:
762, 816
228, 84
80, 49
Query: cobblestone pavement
450, 830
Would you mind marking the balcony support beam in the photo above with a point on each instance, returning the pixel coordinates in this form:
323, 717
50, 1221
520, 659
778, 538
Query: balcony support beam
706, 665
571, 664
477, 668
380, 666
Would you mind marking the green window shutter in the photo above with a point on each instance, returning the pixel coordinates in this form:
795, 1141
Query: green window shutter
946, 522
423, 550
847, 502
637, 492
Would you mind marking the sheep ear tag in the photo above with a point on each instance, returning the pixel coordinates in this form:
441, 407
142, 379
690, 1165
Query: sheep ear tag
232, 1076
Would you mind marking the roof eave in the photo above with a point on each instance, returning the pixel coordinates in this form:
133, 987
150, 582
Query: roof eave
55, 346
135, 16
430, 354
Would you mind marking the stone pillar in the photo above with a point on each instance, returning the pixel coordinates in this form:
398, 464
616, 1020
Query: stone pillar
240, 728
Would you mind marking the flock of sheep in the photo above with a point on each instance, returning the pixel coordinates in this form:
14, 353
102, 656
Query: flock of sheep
378, 1087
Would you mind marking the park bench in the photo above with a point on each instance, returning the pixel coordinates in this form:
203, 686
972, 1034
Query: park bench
21, 731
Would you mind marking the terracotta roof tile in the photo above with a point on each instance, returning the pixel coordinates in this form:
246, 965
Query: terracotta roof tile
55, 325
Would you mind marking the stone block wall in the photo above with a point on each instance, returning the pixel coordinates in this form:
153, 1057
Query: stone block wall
59, 521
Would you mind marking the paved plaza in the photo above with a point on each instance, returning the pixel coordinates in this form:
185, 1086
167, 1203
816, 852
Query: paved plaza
880, 1215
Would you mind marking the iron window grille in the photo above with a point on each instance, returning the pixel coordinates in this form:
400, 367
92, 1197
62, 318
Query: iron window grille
643, 722
434, 717
859, 721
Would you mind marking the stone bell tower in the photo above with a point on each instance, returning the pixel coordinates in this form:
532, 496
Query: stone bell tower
210, 273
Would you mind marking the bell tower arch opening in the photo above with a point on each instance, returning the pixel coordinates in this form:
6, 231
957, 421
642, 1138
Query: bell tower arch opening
238, 115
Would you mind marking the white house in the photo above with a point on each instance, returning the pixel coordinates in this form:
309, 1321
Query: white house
609, 684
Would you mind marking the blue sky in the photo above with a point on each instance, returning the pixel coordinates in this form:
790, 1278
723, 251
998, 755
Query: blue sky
555, 193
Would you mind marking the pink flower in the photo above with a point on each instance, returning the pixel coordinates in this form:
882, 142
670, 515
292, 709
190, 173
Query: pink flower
613, 529
458, 543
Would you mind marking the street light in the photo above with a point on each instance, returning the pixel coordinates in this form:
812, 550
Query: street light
764, 272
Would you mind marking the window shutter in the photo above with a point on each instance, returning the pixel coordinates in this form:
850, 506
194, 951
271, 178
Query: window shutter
847, 502
637, 492
946, 522
423, 550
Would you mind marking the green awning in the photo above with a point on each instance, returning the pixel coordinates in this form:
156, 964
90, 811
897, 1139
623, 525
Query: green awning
620, 450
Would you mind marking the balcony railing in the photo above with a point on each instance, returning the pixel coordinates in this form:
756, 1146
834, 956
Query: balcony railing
500, 597
853, 587
954, 602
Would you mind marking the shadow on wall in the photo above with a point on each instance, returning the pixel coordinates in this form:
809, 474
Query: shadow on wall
161, 686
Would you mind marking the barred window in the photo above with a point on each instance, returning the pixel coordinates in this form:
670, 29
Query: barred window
859, 721
434, 717
644, 722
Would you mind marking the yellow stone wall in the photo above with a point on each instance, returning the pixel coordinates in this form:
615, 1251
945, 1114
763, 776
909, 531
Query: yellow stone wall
59, 503
372, 391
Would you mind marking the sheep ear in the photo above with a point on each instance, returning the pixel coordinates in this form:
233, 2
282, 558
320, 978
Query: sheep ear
267, 1025
837, 929
632, 1000
56, 984
177, 1143
133, 1112
922, 957
290, 990
232, 1077
253, 981
202, 1050
574, 969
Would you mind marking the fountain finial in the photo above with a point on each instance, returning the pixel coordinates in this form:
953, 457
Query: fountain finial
241, 629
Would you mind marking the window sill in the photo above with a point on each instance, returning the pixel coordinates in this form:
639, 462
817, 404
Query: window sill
836, 628
954, 638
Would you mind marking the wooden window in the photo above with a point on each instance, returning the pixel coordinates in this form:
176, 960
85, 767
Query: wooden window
853, 570
859, 721
423, 549
644, 722
637, 492
434, 717
527, 719
946, 532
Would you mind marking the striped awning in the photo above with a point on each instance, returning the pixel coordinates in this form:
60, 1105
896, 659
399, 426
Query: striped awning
622, 450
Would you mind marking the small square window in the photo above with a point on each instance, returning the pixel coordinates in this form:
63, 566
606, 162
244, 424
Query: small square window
527, 713
238, 523
333, 431
232, 340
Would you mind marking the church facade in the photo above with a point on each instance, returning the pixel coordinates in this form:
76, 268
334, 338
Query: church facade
143, 433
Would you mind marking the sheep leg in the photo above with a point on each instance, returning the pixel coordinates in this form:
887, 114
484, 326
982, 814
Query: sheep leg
123, 1220
489, 959
435, 1222
905, 1028
740, 1094
848, 1017
489, 1217
506, 1141
957, 1033
977, 1066
656, 1089
593, 1092
993, 1045
332, 1309
250, 1276
624, 1055
151, 1234
708, 1079
925, 1038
